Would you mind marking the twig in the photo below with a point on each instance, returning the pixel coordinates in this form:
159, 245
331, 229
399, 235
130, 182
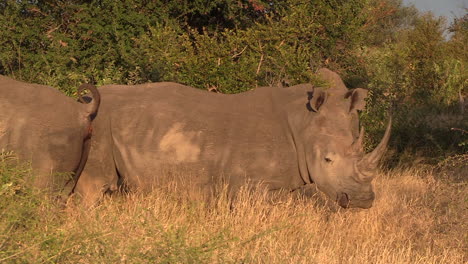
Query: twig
281, 44
261, 57
240, 53
459, 129
260, 63
20, 252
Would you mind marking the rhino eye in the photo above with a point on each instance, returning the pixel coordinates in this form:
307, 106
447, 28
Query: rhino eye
328, 160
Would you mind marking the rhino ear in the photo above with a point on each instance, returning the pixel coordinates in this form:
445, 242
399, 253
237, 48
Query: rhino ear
357, 97
316, 99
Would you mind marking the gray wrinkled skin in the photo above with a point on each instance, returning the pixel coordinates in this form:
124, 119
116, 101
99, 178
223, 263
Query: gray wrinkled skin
46, 128
283, 138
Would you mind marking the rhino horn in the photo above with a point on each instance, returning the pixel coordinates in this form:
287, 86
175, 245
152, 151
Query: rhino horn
370, 161
357, 145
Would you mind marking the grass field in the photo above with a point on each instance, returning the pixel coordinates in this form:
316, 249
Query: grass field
419, 216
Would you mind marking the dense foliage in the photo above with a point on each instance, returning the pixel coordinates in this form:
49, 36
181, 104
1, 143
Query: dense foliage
231, 46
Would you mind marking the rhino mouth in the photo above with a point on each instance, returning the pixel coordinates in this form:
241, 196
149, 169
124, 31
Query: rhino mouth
343, 200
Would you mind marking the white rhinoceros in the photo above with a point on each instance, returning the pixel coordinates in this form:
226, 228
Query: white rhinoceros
283, 138
46, 128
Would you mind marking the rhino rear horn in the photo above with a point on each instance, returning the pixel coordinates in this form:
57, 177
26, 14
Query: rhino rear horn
95, 102
357, 145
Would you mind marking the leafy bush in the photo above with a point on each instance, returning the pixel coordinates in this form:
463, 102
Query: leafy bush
421, 82
253, 42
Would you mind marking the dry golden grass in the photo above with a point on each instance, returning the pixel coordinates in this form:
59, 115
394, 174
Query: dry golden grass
418, 217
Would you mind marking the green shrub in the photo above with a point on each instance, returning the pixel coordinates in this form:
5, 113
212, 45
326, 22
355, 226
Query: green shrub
420, 81
253, 43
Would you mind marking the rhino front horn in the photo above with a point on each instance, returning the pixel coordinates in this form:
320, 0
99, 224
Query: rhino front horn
371, 160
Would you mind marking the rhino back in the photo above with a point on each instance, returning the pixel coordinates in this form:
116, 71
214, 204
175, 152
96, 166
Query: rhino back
41, 125
161, 127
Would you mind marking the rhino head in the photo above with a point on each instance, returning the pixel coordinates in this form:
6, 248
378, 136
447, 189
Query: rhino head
331, 154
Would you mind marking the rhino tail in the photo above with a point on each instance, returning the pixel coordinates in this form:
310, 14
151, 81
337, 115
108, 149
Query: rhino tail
94, 101
84, 158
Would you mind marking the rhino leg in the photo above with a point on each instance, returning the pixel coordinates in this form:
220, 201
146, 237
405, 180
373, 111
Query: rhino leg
91, 186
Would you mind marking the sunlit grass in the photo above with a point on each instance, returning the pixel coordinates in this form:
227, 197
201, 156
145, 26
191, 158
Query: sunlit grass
418, 217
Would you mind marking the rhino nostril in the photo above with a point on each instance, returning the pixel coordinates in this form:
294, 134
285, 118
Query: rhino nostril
343, 200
